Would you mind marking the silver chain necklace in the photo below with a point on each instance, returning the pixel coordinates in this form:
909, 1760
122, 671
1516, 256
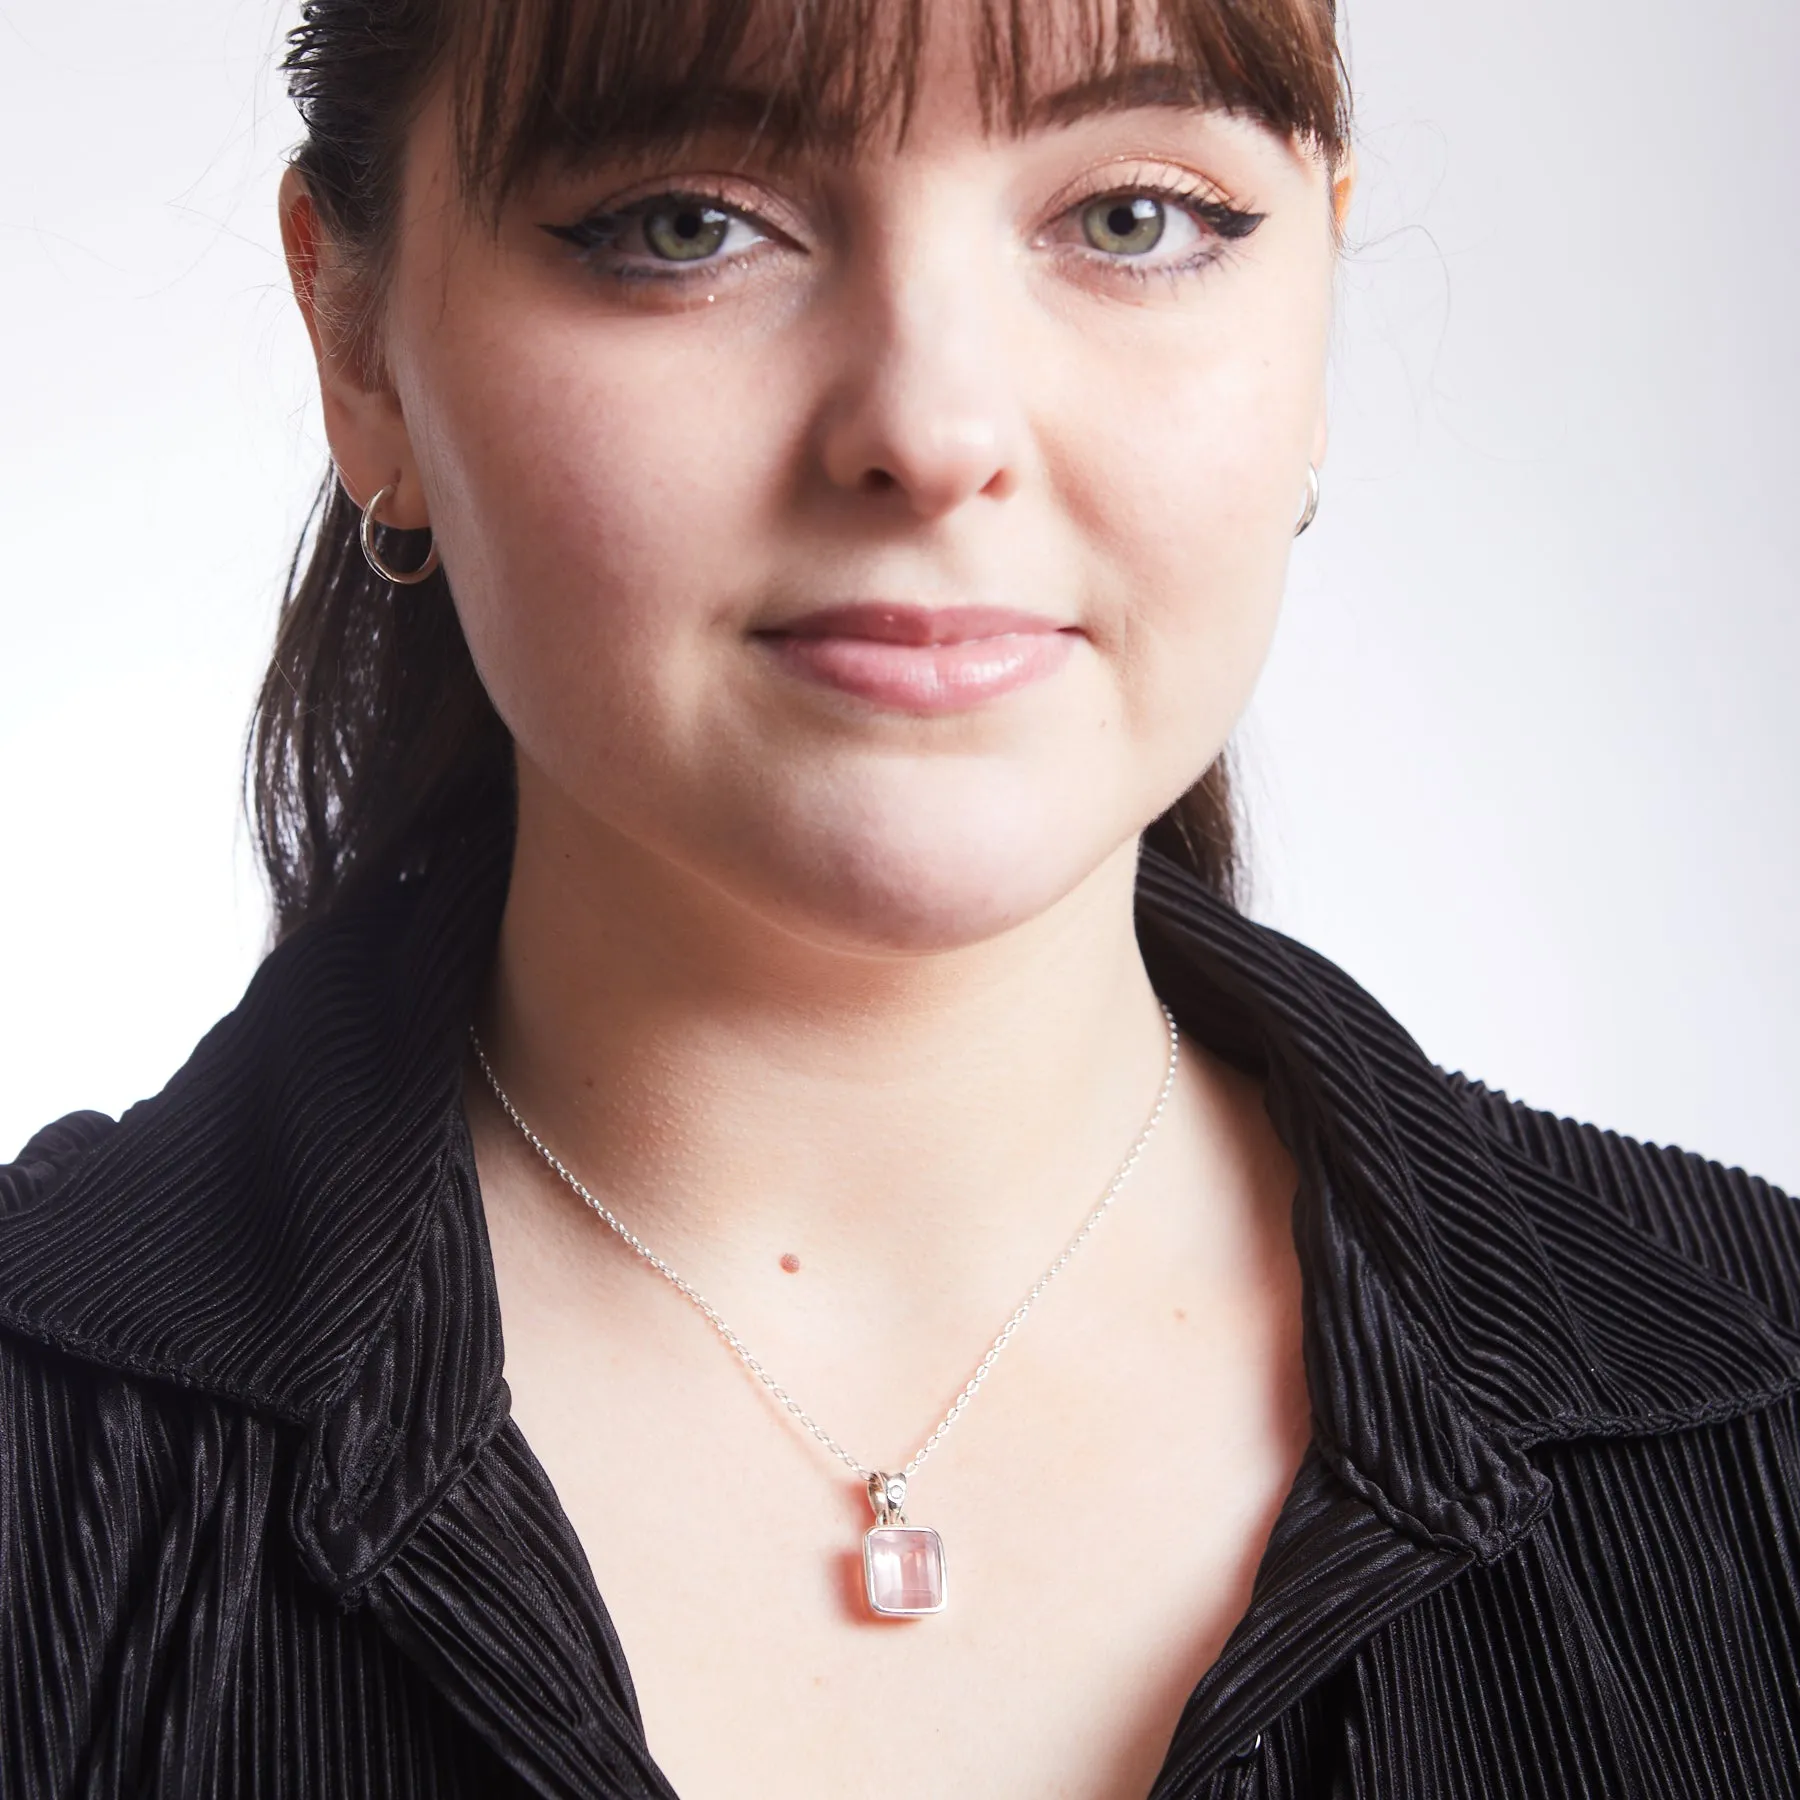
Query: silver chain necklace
903, 1565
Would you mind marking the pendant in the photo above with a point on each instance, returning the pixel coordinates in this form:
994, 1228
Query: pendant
903, 1565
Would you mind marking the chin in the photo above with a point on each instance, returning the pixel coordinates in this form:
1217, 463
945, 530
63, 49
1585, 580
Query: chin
922, 881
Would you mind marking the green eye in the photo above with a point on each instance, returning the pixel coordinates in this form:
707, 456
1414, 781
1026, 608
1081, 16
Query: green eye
1124, 224
686, 232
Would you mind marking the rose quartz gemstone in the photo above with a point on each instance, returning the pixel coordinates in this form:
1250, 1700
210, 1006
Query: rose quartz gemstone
904, 1568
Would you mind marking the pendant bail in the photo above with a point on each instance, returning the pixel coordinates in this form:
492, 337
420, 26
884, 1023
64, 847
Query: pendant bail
887, 1495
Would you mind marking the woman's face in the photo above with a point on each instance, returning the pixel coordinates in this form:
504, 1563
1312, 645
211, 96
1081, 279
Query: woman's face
882, 540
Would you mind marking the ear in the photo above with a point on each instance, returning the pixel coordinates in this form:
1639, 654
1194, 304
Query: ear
363, 421
1343, 191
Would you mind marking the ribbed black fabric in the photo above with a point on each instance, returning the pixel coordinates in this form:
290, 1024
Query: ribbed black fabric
266, 1527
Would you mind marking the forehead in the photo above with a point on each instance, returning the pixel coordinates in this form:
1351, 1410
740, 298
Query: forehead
539, 82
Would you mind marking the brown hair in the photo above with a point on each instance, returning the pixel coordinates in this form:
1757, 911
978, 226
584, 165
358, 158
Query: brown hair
373, 743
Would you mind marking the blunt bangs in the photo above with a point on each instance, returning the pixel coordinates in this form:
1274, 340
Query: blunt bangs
561, 83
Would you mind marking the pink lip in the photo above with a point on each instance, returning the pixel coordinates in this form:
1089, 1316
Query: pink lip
922, 659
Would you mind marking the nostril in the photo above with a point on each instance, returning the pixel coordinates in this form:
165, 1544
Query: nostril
879, 481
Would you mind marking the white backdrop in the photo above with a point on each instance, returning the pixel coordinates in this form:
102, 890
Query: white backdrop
1525, 761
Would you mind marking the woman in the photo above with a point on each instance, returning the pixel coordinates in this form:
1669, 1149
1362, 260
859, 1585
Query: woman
753, 891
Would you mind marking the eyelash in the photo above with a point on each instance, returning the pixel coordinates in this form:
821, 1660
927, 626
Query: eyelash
600, 231
1229, 225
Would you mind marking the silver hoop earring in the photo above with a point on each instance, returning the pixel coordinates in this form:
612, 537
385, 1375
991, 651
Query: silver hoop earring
1310, 511
372, 556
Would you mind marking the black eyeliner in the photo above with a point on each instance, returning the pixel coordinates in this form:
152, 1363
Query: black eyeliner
598, 231
1228, 221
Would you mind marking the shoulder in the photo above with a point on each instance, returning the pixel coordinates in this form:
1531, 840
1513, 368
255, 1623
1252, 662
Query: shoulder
117, 1493
1735, 1226
66, 1415
50, 1157
146, 1574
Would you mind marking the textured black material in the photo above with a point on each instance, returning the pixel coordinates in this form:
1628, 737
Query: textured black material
266, 1527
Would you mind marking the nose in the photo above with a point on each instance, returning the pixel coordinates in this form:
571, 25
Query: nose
925, 411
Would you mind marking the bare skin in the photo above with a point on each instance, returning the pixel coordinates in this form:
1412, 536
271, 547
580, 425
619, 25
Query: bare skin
796, 977
1103, 1503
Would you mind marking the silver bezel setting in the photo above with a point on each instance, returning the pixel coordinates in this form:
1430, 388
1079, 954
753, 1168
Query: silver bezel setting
904, 1612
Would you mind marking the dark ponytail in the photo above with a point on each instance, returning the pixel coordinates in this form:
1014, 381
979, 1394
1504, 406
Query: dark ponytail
374, 741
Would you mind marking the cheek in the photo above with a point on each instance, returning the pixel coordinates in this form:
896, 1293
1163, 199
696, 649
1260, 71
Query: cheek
598, 493
1182, 464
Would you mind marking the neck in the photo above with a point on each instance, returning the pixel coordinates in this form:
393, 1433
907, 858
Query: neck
739, 1093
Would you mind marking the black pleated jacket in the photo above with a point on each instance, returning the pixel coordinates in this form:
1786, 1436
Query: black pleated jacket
266, 1527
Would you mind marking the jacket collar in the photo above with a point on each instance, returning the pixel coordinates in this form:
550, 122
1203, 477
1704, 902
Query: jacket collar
247, 1231
1461, 1306
293, 1225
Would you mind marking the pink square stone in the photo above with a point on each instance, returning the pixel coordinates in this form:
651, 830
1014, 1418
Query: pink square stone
903, 1566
